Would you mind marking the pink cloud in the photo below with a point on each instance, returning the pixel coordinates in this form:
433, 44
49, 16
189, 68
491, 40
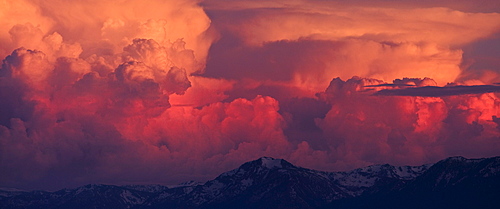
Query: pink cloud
120, 94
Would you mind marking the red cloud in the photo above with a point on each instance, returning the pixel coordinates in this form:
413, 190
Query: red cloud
119, 94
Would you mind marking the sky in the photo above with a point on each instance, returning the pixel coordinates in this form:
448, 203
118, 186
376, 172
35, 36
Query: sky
162, 91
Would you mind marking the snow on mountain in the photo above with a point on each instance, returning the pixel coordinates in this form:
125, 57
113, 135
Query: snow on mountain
267, 175
276, 183
270, 163
188, 183
9, 192
147, 188
132, 199
260, 165
368, 176
410, 172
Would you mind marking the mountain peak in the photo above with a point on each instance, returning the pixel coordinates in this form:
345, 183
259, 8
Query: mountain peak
260, 165
461, 159
456, 158
275, 183
269, 162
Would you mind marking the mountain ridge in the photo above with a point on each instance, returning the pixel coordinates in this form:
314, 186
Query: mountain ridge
275, 183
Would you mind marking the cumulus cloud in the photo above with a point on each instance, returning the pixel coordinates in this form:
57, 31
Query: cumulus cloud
334, 20
70, 78
379, 39
310, 64
30, 66
410, 128
117, 92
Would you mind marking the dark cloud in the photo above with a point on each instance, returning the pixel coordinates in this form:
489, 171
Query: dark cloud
436, 91
301, 115
481, 60
177, 81
13, 101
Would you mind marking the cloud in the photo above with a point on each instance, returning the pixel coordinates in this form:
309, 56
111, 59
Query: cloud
75, 147
73, 72
30, 66
435, 91
361, 127
117, 92
310, 64
480, 61
428, 36
485, 6
327, 20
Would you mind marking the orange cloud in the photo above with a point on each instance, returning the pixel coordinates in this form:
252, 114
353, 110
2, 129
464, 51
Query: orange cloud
383, 40
117, 91
322, 21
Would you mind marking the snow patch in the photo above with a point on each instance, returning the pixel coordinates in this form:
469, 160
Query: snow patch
214, 187
186, 184
146, 188
271, 162
88, 187
463, 159
247, 182
410, 172
237, 172
355, 179
129, 198
487, 172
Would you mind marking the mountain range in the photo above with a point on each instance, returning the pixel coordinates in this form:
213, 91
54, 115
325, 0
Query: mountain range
454, 182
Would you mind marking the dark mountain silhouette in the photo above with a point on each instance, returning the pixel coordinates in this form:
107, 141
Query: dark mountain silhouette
454, 182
